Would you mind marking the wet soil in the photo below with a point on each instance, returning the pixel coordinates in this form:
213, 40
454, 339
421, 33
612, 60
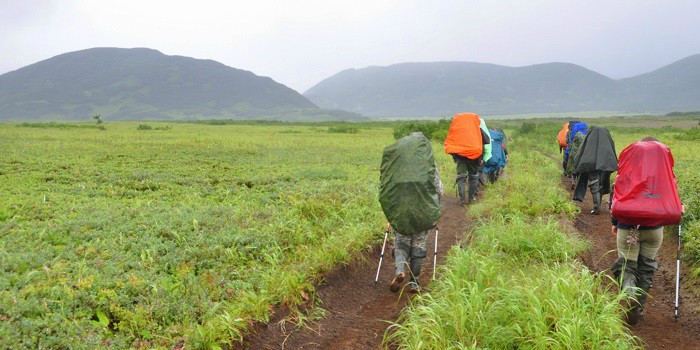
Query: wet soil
358, 312
659, 329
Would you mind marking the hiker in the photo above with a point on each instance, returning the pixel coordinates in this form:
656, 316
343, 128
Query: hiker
568, 138
465, 142
575, 128
498, 157
595, 161
410, 192
573, 151
645, 199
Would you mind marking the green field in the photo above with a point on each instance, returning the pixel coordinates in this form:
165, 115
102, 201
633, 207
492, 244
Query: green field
133, 236
127, 237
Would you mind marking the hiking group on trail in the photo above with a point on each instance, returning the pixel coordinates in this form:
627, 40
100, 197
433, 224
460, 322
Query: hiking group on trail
643, 199
410, 187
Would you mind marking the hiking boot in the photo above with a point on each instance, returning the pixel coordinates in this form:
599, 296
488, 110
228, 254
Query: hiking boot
472, 200
633, 312
414, 287
595, 211
395, 284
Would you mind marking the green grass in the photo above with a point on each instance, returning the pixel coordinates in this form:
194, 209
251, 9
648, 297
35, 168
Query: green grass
125, 238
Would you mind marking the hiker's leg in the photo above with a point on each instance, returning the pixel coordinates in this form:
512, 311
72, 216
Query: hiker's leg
473, 170
462, 172
650, 243
594, 186
628, 251
402, 249
401, 252
418, 252
473, 187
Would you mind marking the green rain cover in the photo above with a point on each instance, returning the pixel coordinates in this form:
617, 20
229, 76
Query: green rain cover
407, 190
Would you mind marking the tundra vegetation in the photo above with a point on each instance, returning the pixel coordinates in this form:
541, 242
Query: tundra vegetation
153, 235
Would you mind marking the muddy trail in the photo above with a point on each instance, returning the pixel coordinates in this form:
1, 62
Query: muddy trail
658, 328
358, 312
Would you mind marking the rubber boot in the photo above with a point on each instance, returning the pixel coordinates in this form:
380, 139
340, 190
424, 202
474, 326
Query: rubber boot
416, 264
492, 176
596, 203
645, 268
625, 271
400, 257
473, 187
413, 286
462, 189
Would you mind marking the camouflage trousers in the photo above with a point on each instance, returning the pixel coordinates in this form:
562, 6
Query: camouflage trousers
409, 252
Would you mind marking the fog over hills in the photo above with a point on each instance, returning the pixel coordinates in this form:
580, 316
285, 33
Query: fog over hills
140, 83
443, 88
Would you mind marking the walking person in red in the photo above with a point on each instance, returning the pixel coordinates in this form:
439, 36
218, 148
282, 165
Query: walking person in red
645, 199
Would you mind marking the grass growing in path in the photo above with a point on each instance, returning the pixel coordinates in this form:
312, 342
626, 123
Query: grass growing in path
518, 284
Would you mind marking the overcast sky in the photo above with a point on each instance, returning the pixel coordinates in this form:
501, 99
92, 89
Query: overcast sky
301, 42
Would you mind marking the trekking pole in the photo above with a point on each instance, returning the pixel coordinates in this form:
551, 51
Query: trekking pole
678, 270
437, 231
381, 256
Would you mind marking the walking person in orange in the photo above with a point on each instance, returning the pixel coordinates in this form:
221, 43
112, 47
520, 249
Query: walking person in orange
465, 142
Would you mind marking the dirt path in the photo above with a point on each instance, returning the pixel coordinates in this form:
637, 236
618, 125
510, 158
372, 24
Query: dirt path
658, 328
358, 312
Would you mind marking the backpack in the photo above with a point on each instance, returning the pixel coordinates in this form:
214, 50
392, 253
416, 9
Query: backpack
464, 137
407, 191
561, 137
646, 193
498, 156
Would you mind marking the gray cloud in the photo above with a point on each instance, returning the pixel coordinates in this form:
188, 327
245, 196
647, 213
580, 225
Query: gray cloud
300, 42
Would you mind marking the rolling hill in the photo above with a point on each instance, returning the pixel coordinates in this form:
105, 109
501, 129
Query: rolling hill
140, 83
442, 88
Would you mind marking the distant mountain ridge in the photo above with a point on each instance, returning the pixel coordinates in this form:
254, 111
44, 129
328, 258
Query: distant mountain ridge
443, 88
140, 83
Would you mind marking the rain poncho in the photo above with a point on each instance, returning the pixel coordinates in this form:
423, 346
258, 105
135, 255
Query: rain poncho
596, 155
498, 156
646, 192
464, 137
408, 190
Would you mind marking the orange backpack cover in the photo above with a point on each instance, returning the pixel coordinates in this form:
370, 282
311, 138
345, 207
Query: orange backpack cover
562, 135
464, 137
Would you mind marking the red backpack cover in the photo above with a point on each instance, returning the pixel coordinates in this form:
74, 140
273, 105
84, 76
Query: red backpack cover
646, 193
